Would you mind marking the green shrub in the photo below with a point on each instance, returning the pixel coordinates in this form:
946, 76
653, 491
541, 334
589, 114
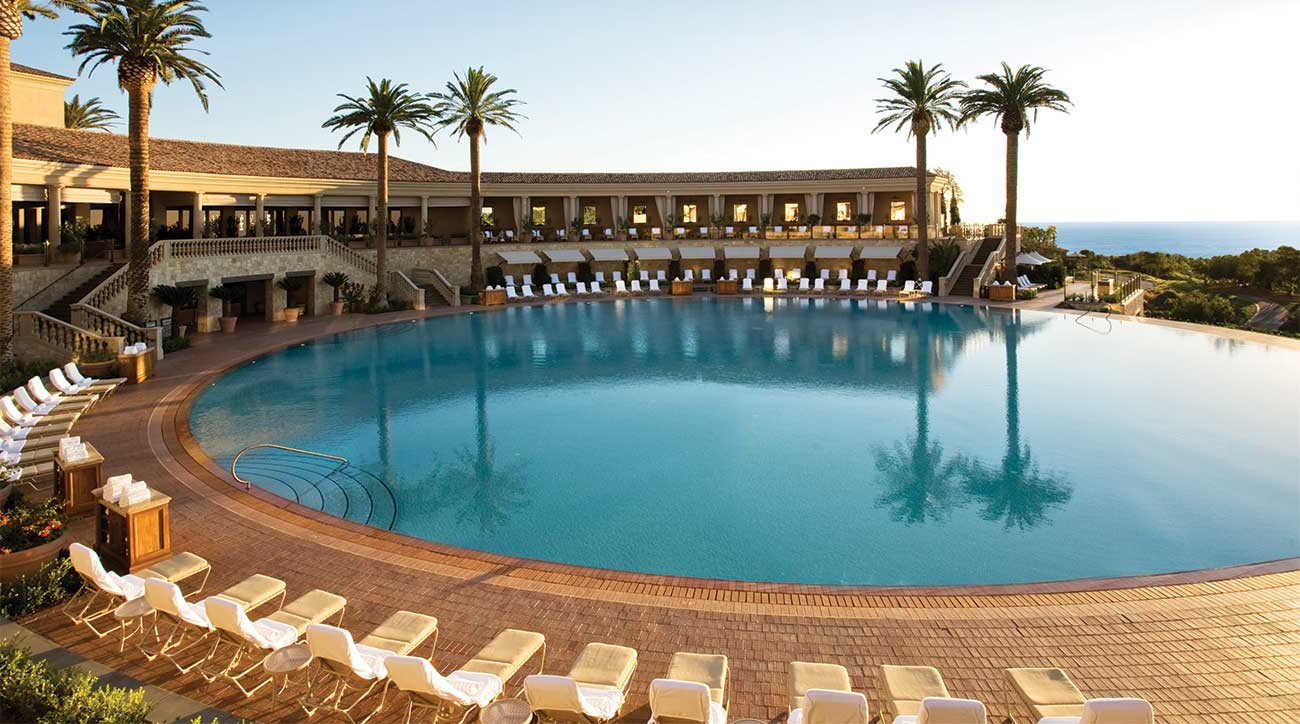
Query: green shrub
16, 374
35, 691
175, 344
97, 355
52, 584
26, 525
1026, 294
1195, 306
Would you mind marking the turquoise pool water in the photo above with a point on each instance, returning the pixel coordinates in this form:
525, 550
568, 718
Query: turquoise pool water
824, 441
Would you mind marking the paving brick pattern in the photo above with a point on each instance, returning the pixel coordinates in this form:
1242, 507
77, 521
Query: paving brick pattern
1221, 646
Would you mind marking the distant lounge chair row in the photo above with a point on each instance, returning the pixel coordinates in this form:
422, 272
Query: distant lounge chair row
33, 419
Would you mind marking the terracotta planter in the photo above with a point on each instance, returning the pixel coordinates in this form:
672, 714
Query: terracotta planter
291, 313
98, 370
5, 490
336, 308
228, 324
25, 563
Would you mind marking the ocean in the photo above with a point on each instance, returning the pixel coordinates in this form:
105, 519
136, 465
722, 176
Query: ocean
1199, 239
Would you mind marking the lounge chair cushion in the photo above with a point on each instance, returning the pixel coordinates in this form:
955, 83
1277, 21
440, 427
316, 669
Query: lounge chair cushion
831, 707
1049, 692
312, 607
806, 676
604, 665
87, 563
334, 644
1116, 711
401, 632
506, 654
707, 669
673, 700
253, 591
231, 618
563, 694
177, 568
906, 686
165, 597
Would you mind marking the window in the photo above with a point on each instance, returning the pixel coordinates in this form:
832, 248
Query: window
589, 215
489, 216
640, 215
539, 215
792, 212
689, 214
844, 211
740, 213
898, 211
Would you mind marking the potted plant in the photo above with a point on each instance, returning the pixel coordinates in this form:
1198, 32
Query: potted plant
175, 298
97, 363
31, 535
354, 296
288, 284
764, 221
72, 240
226, 294
717, 220
336, 280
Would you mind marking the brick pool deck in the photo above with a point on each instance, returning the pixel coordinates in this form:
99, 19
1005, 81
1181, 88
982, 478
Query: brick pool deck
1211, 646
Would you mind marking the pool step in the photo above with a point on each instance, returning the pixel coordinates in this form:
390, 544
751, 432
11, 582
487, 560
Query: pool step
346, 491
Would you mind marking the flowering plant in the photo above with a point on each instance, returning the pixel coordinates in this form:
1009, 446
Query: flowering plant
24, 525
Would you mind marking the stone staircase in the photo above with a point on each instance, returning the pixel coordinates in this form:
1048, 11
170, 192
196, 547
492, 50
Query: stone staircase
62, 309
965, 284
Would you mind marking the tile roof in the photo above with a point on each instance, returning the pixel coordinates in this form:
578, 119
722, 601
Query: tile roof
27, 69
96, 148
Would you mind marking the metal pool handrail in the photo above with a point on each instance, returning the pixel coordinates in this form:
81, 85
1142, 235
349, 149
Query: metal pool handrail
249, 486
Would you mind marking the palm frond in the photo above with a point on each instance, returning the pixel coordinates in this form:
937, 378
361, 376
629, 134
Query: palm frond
921, 99
88, 116
385, 108
1013, 98
151, 36
469, 104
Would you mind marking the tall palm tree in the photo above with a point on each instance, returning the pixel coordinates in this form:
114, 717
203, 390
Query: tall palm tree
88, 116
12, 14
1012, 97
923, 100
468, 107
149, 40
384, 110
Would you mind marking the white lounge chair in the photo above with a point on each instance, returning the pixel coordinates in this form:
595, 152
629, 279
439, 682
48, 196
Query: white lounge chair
844, 274
462, 693
636, 286
893, 276
1052, 697
753, 232
654, 287
819, 286
581, 288
594, 689
782, 285
704, 232
821, 681
927, 288
528, 279
688, 275
510, 280
825, 274
548, 290
695, 690
595, 288
769, 286
617, 276
679, 232
909, 287
526, 292
662, 275
102, 590
561, 233
560, 291
510, 235
555, 278
36, 386
882, 286
750, 274
871, 275
733, 274
356, 669
600, 277
826, 706
645, 275
620, 287
803, 284
729, 232
706, 274
864, 286
656, 232
586, 234
30, 406
510, 294
845, 286
242, 645
188, 622
90, 384
747, 284
778, 272
632, 233
572, 277
608, 234
944, 710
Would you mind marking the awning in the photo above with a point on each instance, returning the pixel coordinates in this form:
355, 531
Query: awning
696, 252
787, 252
564, 256
833, 252
519, 257
608, 254
653, 253
1032, 258
740, 252
879, 252
90, 196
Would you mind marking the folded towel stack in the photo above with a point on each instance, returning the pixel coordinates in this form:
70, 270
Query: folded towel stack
136, 492
135, 349
72, 448
115, 486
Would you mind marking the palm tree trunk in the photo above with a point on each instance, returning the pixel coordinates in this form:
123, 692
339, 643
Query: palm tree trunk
6, 209
381, 236
137, 273
476, 280
1013, 241
922, 211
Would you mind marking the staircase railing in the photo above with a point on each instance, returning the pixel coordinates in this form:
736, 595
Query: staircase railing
347, 255
244, 245
104, 324
947, 281
115, 283
40, 328
434, 278
986, 269
343, 462
401, 286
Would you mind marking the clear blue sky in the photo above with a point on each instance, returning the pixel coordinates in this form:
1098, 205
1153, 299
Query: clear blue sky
1183, 109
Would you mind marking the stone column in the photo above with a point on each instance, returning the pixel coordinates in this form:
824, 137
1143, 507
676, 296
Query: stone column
809, 204
616, 210
54, 216
861, 205
260, 212
765, 202
316, 227
424, 215
871, 207
662, 203
566, 205
196, 216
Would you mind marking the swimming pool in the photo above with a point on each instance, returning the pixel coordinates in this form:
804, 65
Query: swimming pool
826, 441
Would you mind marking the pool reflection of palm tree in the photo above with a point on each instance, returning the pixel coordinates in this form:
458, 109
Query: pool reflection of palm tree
920, 482
1016, 493
474, 484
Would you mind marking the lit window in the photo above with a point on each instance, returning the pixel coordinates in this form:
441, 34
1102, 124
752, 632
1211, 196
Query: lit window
489, 216
688, 214
844, 211
539, 215
640, 215
898, 211
740, 213
792, 212
589, 215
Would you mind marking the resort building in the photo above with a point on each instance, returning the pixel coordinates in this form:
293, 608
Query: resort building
279, 203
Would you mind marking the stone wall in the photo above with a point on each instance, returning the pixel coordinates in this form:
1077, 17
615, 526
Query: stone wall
30, 280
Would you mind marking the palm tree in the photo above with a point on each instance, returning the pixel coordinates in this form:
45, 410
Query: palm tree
922, 101
1009, 99
88, 116
384, 110
1017, 493
149, 40
468, 107
12, 13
